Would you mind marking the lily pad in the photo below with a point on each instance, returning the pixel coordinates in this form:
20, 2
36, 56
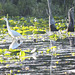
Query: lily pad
39, 32
28, 33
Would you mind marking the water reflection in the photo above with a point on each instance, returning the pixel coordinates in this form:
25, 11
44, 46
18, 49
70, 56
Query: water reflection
43, 60
15, 43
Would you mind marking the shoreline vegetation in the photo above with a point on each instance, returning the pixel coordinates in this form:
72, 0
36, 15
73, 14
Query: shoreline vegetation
37, 8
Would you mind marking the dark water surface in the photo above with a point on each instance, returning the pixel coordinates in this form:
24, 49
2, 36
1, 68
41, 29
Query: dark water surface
59, 61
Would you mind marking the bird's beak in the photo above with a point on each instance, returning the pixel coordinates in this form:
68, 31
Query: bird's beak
2, 19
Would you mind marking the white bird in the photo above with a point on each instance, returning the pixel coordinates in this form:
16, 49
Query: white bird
13, 33
16, 41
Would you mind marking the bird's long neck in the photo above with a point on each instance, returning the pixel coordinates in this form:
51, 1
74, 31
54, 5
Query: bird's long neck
7, 23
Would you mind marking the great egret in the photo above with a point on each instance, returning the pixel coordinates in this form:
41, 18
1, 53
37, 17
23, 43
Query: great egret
13, 33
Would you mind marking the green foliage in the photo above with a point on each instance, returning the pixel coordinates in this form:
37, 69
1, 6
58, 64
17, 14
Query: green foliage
34, 8
1, 9
13, 55
39, 32
54, 37
10, 9
28, 26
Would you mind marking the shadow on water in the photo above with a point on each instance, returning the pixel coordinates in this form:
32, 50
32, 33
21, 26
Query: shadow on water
58, 62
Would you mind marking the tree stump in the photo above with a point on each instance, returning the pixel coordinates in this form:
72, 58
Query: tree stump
52, 26
70, 27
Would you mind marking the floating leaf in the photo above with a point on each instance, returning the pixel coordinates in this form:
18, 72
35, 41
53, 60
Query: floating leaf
7, 65
57, 62
73, 54
22, 55
53, 47
39, 32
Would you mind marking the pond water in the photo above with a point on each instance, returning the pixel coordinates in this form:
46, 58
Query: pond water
60, 60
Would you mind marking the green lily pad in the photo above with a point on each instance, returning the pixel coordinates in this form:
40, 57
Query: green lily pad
39, 32
28, 33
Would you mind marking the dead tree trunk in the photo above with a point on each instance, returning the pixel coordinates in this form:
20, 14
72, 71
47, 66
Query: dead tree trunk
52, 26
70, 27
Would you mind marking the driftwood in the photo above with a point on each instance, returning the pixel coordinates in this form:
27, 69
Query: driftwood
70, 27
52, 26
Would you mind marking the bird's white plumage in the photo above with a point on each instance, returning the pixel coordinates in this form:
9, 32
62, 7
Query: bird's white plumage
11, 32
17, 41
14, 33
